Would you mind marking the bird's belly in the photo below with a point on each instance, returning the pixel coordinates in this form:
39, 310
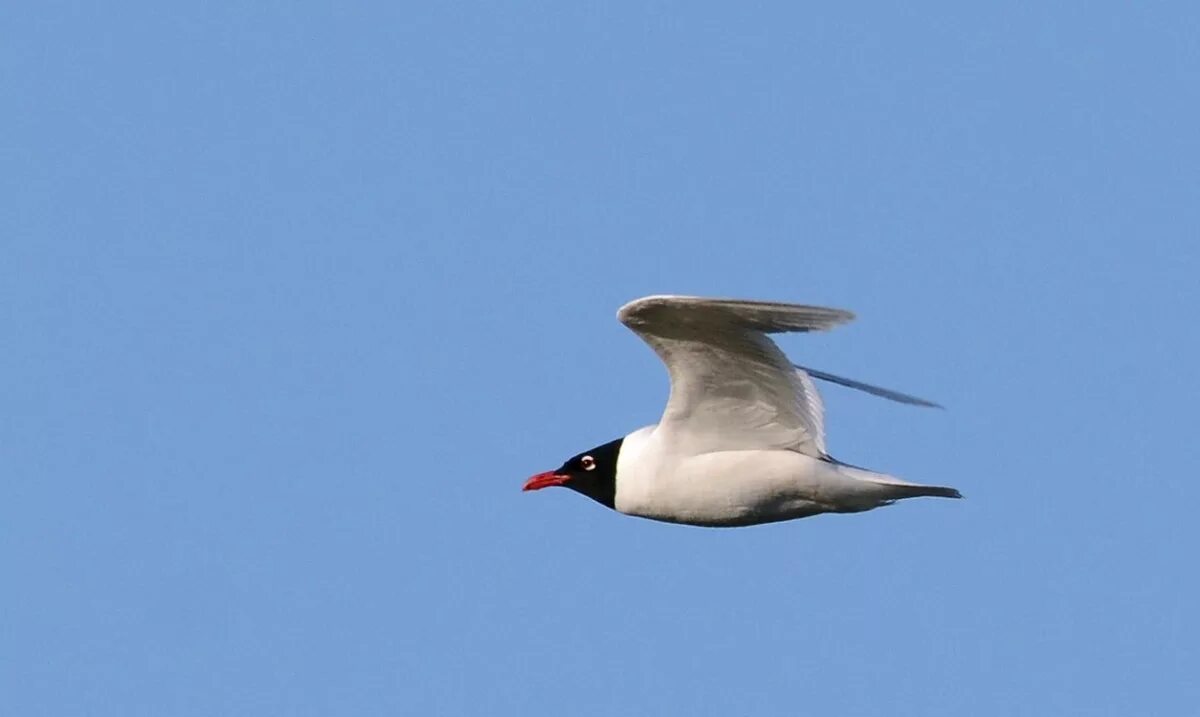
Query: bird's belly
731, 488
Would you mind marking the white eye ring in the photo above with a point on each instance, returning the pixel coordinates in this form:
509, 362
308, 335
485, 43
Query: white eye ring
588, 463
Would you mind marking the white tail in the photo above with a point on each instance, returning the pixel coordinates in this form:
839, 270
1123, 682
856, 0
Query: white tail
898, 488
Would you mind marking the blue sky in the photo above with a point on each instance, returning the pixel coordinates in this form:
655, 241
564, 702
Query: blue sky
295, 296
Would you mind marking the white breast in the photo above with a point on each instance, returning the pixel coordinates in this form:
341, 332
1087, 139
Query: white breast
724, 488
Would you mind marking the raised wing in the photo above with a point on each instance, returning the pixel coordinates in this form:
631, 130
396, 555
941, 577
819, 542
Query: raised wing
731, 386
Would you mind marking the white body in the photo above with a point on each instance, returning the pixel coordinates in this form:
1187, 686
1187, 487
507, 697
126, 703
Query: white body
740, 487
742, 438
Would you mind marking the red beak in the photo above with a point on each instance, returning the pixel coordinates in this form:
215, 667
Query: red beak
545, 480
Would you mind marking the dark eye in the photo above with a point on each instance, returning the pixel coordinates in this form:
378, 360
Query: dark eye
588, 463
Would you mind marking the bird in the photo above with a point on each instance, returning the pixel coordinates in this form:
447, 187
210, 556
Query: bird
742, 438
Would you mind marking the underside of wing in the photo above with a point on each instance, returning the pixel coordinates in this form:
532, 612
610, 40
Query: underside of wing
812, 411
731, 386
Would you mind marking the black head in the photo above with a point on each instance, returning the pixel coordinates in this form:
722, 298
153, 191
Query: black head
593, 473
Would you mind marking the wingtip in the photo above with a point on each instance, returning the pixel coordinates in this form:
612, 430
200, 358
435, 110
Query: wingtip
872, 389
